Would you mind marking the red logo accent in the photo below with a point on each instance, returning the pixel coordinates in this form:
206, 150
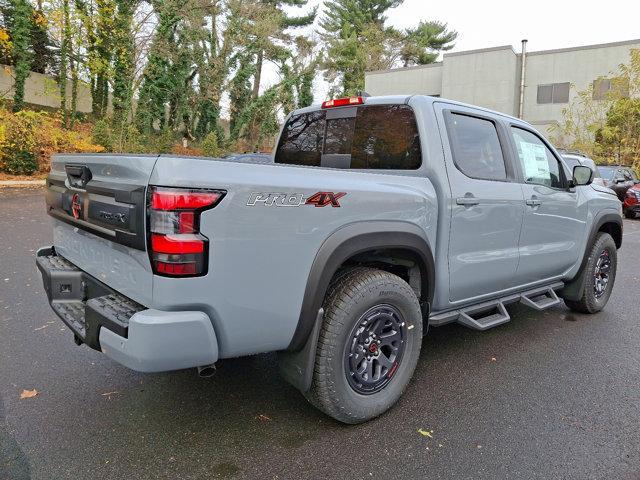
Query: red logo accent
373, 347
322, 199
76, 206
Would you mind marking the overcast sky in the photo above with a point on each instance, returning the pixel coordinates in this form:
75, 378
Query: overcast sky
547, 24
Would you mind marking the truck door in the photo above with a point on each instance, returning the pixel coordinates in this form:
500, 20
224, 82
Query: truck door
554, 218
486, 204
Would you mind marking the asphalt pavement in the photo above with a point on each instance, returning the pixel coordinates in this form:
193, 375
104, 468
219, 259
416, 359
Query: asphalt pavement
548, 395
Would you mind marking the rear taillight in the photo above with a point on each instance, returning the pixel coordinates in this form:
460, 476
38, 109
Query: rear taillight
176, 246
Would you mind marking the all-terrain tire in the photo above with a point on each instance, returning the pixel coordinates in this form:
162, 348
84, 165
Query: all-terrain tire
350, 297
590, 302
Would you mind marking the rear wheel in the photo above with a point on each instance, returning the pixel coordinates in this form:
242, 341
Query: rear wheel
368, 347
599, 276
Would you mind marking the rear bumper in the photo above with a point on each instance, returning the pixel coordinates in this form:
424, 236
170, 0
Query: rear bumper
142, 339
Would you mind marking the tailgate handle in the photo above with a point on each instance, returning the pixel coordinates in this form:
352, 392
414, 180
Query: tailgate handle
78, 175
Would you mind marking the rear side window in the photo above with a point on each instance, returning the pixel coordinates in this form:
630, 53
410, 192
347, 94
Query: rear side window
301, 141
476, 148
376, 137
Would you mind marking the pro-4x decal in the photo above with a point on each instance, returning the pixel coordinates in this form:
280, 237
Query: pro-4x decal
318, 199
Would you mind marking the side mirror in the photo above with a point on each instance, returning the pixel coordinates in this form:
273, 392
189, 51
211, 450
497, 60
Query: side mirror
582, 175
618, 180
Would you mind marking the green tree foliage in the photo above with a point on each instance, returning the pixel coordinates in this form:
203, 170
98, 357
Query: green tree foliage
357, 40
422, 44
606, 124
19, 19
123, 65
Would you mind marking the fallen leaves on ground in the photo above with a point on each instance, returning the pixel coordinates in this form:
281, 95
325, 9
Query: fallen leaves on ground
263, 418
43, 326
108, 394
426, 433
28, 394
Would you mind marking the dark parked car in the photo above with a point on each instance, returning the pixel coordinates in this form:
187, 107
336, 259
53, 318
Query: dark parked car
619, 179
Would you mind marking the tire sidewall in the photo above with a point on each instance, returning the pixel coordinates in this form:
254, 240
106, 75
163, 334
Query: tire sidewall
603, 242
377, 292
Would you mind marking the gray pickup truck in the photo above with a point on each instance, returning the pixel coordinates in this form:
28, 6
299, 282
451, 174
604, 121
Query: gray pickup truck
375, 219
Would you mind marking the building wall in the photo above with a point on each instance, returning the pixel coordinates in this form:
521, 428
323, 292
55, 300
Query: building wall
482, 77
491, 77
42, 90
425, 79
580, 67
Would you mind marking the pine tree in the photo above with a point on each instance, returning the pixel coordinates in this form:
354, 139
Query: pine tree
423, 43
343, 25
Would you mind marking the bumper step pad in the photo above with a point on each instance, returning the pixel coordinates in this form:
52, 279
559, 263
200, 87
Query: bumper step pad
83, 303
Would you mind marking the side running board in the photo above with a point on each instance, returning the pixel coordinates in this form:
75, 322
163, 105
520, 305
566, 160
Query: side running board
493, 313
483, 318
540, 300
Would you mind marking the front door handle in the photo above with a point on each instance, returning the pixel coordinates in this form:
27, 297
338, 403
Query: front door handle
534, 202
467, 201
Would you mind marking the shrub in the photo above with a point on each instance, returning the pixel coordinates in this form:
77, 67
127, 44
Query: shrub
102, 134
28, 139
164, 141
210, 146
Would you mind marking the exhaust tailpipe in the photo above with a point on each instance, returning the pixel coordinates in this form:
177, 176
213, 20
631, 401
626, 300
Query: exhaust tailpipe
206, 371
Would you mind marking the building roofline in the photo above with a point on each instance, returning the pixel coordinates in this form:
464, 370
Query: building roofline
479, 50
509, 47
585, 47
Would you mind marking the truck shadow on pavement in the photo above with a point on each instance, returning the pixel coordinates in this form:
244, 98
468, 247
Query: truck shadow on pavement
14, 464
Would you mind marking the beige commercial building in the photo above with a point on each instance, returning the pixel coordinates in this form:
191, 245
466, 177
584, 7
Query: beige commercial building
491, 78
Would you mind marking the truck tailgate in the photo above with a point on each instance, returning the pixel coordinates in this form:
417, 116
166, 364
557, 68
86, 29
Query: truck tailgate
98, 203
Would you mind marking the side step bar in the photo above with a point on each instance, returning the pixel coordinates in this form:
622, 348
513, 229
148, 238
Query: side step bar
479, 318
490, 314
540, 300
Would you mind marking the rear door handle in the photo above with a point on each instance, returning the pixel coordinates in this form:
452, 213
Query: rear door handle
467, 201
534, 202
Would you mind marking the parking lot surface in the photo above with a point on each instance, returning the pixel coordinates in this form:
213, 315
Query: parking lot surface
547, 395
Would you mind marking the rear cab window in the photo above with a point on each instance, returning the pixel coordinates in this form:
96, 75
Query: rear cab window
363, 137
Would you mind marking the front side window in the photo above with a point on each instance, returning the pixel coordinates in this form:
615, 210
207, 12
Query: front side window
371, 137
476, 148
539, 165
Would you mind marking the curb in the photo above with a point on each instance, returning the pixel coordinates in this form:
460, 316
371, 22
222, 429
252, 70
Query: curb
22, 183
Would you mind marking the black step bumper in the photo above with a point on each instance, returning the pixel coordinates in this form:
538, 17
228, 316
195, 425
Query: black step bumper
83, 303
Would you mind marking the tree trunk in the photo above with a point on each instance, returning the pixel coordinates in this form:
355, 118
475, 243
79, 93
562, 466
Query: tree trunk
258, 75
64, 54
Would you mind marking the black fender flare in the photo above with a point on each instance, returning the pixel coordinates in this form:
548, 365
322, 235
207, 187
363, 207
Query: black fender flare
296, 363
573, 289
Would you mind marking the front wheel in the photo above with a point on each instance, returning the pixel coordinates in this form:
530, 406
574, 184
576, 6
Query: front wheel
629, 213
599, 276
368, 347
